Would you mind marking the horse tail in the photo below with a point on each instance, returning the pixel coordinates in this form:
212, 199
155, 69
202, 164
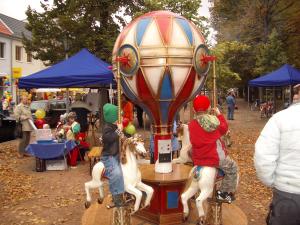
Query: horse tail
189, 180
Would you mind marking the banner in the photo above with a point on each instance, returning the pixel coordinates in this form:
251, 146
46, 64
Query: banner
17, 72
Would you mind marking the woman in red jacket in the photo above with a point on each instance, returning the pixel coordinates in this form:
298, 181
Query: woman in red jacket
206, 130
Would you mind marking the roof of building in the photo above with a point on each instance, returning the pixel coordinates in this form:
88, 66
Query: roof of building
4, 29
16, 26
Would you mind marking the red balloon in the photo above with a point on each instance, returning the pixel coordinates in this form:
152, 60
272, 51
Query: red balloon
125, 122
39, 123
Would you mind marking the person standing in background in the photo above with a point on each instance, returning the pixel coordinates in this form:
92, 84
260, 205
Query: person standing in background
127, 108
230, 100
296, 95
23, 114
139, 112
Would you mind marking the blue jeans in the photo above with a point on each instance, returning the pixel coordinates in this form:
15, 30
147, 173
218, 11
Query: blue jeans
230, 112
114, 172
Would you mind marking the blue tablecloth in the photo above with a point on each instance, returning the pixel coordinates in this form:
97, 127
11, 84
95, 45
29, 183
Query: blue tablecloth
50, 150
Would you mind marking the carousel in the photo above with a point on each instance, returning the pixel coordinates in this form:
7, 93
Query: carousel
161, 61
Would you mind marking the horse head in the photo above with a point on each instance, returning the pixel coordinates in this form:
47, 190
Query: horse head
139, 145
135, 145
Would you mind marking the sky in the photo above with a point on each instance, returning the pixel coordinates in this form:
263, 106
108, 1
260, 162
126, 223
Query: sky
17, 9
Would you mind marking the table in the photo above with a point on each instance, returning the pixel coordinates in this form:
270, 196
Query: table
49, 150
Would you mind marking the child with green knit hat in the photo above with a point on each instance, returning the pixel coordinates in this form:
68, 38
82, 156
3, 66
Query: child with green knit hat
110, 154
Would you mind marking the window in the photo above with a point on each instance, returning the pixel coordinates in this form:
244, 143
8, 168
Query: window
29, 57
2, 46
19, 53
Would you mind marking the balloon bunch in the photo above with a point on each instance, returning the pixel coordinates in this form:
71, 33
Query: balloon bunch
129, 128
40, 121
6, 81
7, 96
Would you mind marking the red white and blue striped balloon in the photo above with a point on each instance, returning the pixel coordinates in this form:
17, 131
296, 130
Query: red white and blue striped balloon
164, 68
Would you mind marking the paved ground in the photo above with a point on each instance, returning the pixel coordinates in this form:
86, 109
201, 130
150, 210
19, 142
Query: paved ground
57, 197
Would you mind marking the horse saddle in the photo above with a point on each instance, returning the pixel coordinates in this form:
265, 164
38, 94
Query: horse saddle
197, 169
103, 175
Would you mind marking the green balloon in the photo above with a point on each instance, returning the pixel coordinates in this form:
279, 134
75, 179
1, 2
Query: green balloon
130, 129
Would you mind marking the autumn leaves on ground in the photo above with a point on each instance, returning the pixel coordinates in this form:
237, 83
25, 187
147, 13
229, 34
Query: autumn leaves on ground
57, 197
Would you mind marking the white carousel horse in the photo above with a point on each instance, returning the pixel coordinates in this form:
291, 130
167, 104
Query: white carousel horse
131, 147
186, 146
204, 182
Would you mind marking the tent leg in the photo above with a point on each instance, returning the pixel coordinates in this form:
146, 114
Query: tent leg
68, 101
274, 101
248, 97
100, 91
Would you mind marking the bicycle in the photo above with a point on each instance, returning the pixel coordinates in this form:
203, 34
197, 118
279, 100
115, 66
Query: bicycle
266, 109
255, 106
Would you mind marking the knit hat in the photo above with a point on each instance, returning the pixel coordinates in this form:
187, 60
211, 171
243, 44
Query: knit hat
201, 103
71, 115
110, 113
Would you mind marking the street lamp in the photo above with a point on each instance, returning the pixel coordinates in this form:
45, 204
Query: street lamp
66, 48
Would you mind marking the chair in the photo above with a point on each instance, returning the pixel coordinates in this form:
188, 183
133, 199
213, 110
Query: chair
94, 156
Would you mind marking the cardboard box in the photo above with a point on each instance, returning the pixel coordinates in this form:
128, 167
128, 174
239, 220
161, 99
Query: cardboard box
56, 164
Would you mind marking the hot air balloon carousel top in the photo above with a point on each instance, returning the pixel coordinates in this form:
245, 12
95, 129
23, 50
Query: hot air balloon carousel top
161, 68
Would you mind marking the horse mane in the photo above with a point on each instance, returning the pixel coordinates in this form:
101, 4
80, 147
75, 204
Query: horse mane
128, 142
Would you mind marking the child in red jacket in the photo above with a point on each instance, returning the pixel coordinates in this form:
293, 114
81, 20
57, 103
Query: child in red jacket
208, 149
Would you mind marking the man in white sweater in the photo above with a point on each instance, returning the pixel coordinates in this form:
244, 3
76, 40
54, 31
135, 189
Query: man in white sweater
277, 163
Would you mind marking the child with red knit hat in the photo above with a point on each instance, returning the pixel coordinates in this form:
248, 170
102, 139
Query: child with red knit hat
206, 130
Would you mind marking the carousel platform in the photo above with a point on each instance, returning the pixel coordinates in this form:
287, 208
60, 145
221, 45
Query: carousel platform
99, 215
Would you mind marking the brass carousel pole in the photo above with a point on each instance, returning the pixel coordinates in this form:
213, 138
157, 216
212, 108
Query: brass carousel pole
119, 91
214, 84
121, 215
214, 211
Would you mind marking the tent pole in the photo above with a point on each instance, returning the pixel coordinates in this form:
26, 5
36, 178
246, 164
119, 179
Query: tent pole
68, 101
101, 103
266, 97
248, 96
274, 100
291, 94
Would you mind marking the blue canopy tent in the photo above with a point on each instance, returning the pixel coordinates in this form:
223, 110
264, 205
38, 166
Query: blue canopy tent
284, 76
81, 70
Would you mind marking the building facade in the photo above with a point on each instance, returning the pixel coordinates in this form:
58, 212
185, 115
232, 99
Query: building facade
14, 60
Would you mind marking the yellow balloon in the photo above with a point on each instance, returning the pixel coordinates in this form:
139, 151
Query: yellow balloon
40, 114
